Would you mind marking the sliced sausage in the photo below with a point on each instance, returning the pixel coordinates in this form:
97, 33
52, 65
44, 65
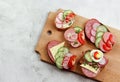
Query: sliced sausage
65, 62
92, 39
69, 61
89, 26
50, 45
88, 73
57, 20
60, 16
59, 25
70, 35
95, 25
93, 32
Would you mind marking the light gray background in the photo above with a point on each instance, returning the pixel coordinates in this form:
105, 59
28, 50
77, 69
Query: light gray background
21, 22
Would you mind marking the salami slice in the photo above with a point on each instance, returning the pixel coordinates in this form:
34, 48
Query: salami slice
50, 45
66, 61
57, 20
70, 35
69, 61
59, 25
89, 26
95, 25
60, 16
93, 32
92, 39
88, 73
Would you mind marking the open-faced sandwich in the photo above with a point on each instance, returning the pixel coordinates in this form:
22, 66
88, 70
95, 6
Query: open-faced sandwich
99, 34
92, 62
60, 55
64, 19
75, 36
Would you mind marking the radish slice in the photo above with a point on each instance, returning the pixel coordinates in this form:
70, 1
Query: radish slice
92, 39
103, 62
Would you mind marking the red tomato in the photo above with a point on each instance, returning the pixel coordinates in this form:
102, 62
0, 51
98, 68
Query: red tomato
95, 55
71, 61
111, 39
105, 47
81, 37
109, 44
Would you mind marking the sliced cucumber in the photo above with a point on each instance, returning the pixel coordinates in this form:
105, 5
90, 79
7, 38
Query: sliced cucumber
87, 56
59, 54
63, 49
98, 41
99, 34
59, 62
78, 29
66, 12
102, 28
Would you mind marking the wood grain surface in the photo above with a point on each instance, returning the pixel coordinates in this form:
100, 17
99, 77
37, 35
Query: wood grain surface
111, 72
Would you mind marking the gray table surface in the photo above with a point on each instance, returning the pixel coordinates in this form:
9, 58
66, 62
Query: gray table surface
21, 22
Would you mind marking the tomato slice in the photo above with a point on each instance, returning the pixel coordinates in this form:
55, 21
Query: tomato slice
111, 39
109, 44
105, 47
72, 61
81, 37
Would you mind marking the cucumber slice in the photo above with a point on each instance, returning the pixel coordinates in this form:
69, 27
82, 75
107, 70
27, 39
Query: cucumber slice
78, 29
59, 62
102, 28
98, 41
63, 49
87, 56
66, 12
59, 54
99, 34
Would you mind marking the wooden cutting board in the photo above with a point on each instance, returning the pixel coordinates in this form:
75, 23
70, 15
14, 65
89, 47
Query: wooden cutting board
111, 73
